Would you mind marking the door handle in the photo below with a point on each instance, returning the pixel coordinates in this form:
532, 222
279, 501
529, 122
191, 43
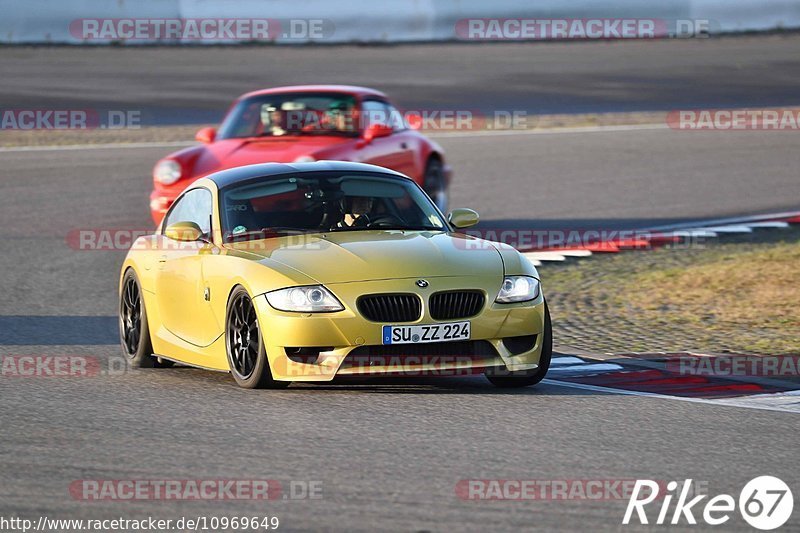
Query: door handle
162, 259
404, 145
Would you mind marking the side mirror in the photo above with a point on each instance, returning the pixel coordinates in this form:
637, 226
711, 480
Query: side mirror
377, 130
414, 120
184, 231
463, 218
206, 135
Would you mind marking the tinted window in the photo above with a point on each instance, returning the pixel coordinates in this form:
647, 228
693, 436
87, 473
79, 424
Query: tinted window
277, 115
194, 206
397, 120
379, 112
325, 202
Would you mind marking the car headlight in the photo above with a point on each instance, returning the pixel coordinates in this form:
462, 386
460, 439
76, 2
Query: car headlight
518, 289
167, 172
304, 159
311, 299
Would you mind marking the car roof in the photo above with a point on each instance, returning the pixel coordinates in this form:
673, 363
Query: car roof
349, 89
235, 175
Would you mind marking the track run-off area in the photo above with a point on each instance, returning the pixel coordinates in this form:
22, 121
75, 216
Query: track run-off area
391, 451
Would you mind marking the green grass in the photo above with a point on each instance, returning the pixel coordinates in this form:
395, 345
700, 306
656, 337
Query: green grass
739, 294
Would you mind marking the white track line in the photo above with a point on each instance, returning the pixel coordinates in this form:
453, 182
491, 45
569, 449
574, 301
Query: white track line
746, 220
551, 131
106, 146
573, 365
728, 229
575, 253
692, 233
769, 225
586, 368
569, 360
441, 135
728, 402
790, 400
545, 256
783, 401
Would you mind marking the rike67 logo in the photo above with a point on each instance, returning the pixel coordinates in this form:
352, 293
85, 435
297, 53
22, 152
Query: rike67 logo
765, 503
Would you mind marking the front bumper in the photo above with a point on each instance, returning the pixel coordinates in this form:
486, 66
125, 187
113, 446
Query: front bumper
338, 334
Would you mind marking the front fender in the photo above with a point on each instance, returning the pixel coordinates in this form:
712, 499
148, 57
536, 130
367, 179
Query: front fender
514, 263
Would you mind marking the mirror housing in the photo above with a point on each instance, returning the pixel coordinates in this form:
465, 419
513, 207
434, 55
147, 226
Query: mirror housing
184, 231
463, 218
376, 130
206, 135
414, 120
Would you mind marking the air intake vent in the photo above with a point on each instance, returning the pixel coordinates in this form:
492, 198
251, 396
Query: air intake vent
456, 304
390, 307
424, 353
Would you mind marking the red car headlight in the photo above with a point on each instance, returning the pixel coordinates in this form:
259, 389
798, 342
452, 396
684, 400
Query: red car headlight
167, 172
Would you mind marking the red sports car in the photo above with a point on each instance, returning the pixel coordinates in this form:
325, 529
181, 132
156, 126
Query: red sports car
306, 123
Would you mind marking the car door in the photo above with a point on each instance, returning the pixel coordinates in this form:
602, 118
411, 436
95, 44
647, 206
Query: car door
408, 141
181, 290
394, 151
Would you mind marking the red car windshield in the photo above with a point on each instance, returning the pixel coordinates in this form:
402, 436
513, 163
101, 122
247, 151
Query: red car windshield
278, 115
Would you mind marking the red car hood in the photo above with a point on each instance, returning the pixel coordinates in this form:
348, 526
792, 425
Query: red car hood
231, 153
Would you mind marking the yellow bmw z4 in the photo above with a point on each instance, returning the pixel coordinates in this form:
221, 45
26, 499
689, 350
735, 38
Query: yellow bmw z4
305, 272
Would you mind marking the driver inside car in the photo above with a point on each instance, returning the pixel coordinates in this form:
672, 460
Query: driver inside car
339, 116
272, 119
356, 214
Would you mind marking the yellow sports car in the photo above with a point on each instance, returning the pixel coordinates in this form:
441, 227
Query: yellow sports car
304, 272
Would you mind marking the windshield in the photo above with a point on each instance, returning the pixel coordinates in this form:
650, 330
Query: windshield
313, 202
278, 115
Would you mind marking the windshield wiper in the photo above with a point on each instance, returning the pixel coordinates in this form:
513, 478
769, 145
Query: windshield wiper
380, 228
259, 232
284, 229
410, 228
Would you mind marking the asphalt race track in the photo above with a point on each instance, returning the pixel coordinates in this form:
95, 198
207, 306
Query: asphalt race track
173, 85
556, 180
387, 453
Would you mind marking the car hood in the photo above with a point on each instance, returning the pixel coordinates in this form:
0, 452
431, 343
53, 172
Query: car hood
230, 153
342, 257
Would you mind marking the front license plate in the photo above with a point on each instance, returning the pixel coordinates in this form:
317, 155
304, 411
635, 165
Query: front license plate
453, 331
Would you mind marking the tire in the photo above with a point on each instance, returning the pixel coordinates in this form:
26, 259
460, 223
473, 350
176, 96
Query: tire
508, 380
434, 184
134, 330
244, 345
